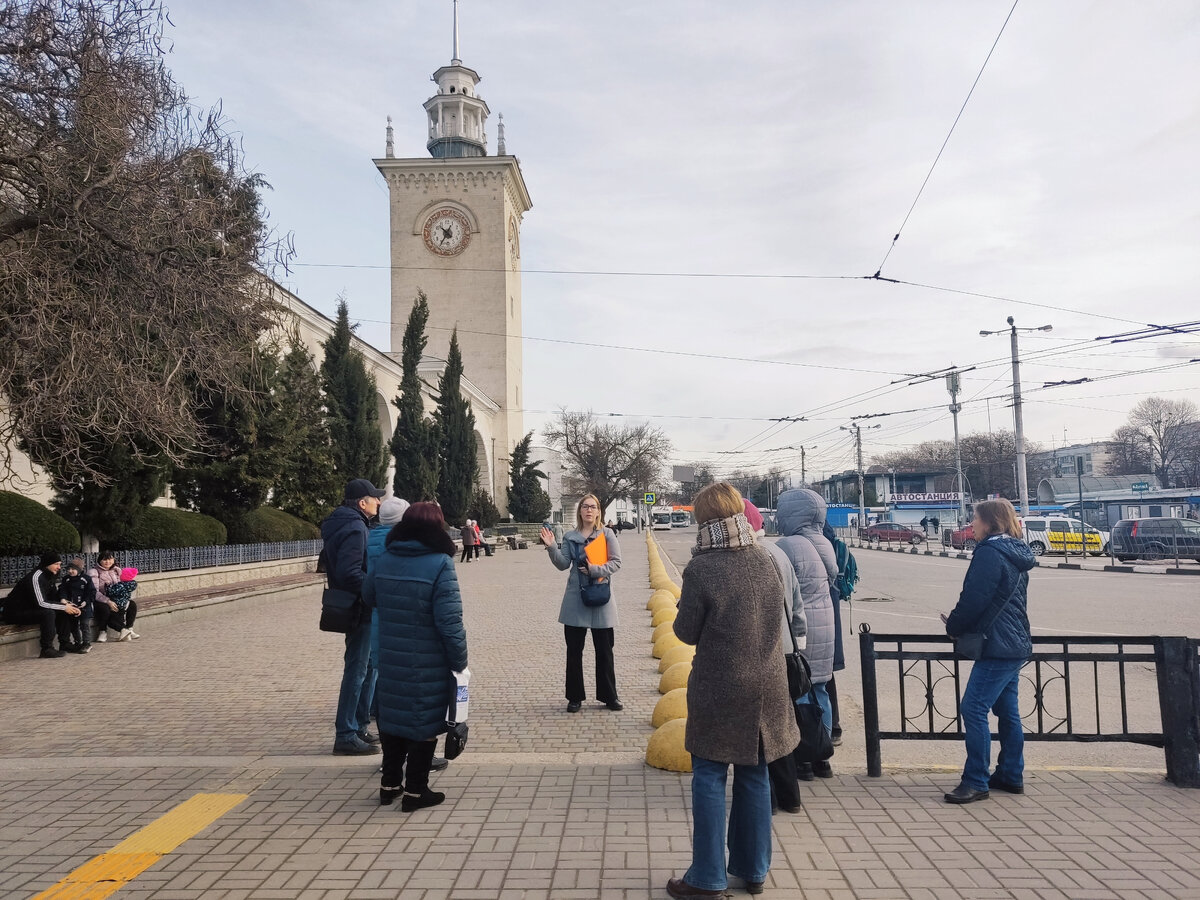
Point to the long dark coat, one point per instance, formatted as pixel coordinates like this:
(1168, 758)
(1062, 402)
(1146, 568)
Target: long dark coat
(730, 609)
(421, 637)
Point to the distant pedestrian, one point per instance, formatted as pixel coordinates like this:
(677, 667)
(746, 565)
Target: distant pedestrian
(993, 602)
(422, 643)
(467, 533)
(925, 525)
(576, 617)
(34, 601)
(345, 534)
(739, 709)
(801, 517)
(76, 589)
(478, 538)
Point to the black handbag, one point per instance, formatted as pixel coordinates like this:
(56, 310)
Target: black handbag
(971, 644)
(592, 591)
(816, 744)
(341, 611)
(799, 675)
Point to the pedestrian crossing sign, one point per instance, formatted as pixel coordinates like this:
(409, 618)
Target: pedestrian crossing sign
(649, 498)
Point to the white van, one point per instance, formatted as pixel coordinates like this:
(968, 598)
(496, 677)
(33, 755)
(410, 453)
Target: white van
(1062, 534)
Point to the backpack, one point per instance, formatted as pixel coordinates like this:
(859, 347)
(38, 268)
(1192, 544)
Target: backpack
(847, 576)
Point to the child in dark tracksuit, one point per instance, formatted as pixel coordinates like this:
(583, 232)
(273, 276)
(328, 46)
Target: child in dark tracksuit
(77, 588)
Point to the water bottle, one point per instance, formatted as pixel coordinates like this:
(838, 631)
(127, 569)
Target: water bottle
(461, 695)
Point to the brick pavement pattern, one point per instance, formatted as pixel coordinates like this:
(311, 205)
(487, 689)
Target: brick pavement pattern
(542, 804)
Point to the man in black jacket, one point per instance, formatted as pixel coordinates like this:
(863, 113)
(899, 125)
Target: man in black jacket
(34, 601)
(345, 534)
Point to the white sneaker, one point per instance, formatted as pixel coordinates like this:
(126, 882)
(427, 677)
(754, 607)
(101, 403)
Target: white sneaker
(125, 635)
(133, 634)
(102, 637)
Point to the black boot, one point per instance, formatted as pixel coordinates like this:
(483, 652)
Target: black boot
(410, 802)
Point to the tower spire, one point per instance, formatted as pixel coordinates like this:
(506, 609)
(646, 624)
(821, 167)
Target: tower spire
(500, 148)
(456, 59)
(390, 147)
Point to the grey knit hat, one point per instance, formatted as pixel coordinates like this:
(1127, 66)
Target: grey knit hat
(392, 510)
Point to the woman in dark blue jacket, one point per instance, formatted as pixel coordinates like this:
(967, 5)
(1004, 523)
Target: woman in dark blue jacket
(422, 642)
(993, 601)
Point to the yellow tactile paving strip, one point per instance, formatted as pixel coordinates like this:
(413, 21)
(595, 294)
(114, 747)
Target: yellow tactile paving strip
(107, 873)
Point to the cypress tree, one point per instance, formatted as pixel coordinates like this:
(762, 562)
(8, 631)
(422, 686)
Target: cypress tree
(353, 417)
(415, 440)
(456, 430)
(527, 499)
(307, 486)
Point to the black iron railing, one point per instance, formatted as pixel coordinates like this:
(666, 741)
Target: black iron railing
(173, 559)
(1080, 689)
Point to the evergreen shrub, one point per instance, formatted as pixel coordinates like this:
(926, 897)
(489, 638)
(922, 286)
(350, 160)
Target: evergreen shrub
(267, 525)
(27, 528)
(159, 527)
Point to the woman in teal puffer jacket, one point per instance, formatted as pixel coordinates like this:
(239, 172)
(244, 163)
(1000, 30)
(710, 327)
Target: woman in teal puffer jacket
(422, 642)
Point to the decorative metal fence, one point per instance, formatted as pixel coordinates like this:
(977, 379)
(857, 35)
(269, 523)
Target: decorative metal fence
(175, 559)
(1080, 687)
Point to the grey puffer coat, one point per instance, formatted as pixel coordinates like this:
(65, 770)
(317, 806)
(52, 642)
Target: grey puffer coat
(801, 516)
(731, 608)
(572, 611)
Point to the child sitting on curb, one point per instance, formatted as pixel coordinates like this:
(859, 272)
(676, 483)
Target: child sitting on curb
(121, 594)
(77, 589)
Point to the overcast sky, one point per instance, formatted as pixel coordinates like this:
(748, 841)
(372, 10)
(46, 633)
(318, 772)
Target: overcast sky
(775, 138)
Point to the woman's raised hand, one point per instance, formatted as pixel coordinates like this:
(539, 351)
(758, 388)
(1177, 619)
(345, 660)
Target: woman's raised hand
(547, 537)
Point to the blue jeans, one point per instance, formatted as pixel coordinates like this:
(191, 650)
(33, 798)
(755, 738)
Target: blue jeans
(822, 692)
(993, 685)
(367, 706)
(749, 824)
(358, 650)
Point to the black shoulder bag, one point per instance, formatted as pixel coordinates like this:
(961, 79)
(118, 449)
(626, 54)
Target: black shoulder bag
(341, 611)
(971, 644)
(798, 674)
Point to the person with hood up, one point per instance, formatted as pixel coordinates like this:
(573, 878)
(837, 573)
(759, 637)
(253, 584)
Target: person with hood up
(800, 515)
(345, 534)
(785, 789)
(422, 643)
(994, 601)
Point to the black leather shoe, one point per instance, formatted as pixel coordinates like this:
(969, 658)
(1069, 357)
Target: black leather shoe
(681, 890)
(410, 802)
(997, 785)
(615, 705)
(822, 769)
(388, 795)
(574, 706)
(804, 771)
(354, 747)
(754, 887)
(966, 794)
(368, 737)
(439, 763)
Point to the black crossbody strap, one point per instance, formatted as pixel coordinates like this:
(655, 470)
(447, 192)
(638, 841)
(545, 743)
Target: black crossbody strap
(783, 585)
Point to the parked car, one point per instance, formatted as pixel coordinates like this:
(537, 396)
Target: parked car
(963, 539)
(891, 532)
(1061, 534)
(622, 525)
(1156, 539)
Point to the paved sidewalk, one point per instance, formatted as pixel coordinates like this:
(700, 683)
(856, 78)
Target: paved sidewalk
(543, 803)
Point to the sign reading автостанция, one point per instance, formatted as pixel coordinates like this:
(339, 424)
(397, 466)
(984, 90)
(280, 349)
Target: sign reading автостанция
(932, 497)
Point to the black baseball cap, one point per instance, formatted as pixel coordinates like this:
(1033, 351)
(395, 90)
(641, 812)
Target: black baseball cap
(360, 487)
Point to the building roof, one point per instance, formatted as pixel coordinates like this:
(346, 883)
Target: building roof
(1051, 490)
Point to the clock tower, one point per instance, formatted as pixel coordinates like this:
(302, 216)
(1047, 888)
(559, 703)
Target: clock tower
(455, 234)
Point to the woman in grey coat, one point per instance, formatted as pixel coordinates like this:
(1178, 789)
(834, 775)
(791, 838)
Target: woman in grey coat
(576, 618)
(801, 518)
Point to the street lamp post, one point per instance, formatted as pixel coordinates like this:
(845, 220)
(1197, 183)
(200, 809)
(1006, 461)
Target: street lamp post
(1018, 422)
(952, 385)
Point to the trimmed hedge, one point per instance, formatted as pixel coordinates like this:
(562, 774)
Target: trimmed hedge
(27, 528)
(267, 525)
(160, 527)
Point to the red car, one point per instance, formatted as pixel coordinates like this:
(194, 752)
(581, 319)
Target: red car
(890, 532)
(963, 539)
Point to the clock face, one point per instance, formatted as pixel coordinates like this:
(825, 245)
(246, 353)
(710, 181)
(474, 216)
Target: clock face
(447, 232)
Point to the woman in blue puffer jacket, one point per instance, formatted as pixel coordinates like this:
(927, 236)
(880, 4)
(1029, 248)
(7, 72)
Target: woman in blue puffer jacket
(422, 642)
(993, 601)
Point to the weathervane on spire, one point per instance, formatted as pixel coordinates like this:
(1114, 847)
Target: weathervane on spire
(456, 60)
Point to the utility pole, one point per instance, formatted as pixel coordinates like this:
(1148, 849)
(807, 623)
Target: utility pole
(1018, 422)
(862, 496)
(952, 385)
(803, 480)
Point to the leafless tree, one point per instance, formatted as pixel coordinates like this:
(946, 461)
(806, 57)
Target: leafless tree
(131, 240)
(1166, 427)
(1130, 453)
(609, 461)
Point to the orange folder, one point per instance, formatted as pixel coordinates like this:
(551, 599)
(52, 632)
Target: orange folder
(597, 551)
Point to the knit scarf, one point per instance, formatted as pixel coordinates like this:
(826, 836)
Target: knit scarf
(724, 534)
